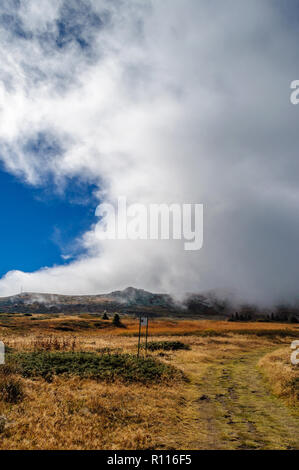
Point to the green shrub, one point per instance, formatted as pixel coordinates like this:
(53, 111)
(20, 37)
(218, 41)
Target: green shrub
(116, 320)
(166, 346)
(108, 367)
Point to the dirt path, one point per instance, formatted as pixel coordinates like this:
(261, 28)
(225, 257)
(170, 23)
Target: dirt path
(237, 410)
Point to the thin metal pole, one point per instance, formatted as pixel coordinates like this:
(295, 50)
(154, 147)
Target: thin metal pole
(146, 334)
(139, 336)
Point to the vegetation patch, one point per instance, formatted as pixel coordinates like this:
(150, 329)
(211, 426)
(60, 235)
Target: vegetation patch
(287, 333)
(108, 367)
(80, 325)
(166, 346)
(63, 328)
(266, 333)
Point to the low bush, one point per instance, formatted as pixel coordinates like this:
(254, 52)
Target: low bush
(108, 367)
(166, 346)
(117, 322)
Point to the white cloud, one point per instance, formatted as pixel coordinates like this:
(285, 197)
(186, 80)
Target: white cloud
(175, 102)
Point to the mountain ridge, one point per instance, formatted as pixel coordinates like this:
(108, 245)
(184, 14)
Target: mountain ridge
(133, 301)
(129, 300)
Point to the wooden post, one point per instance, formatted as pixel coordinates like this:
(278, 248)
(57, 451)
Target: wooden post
(146, 334)
(139, 336)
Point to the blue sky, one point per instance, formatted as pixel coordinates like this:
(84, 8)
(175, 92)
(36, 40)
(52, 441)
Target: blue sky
(39, 228)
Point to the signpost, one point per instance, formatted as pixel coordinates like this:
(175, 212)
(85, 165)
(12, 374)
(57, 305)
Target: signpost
(146, 335)
(2, 353)
(143, 321)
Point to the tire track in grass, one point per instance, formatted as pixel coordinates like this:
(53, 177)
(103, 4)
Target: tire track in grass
(238, 411)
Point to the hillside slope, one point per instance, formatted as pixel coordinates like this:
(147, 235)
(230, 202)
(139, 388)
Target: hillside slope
(129, 301)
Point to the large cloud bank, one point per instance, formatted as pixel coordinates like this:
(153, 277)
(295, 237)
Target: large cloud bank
(160, 101)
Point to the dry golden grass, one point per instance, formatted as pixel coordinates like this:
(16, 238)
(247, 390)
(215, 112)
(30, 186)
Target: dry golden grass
(91, 325)
(186, 327)
(282, 375)
(84, 414)
(73, 413)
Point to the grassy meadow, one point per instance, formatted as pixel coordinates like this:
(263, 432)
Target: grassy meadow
(74, 382)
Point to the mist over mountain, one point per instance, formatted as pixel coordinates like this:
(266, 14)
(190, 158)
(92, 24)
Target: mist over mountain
(135, 302)
(129, 300)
